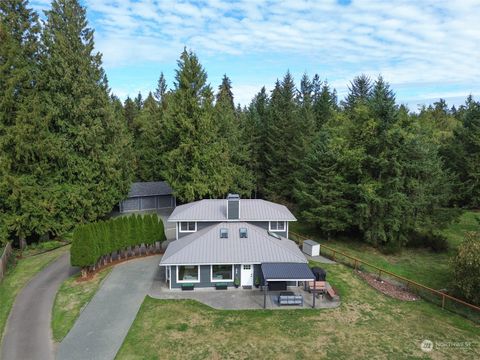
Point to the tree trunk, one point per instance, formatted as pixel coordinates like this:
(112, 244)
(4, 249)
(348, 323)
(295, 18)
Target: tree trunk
(84, 272)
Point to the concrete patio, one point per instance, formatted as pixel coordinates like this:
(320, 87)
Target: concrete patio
(237, 299)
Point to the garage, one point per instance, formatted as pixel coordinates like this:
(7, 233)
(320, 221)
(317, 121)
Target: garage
(144, 196)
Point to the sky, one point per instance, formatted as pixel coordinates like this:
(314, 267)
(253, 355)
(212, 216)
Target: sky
(425, 49)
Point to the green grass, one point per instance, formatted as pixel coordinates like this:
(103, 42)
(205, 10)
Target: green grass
(18, 276)
(71, 299)
(421, 265)
(41, 247)
(366, 325)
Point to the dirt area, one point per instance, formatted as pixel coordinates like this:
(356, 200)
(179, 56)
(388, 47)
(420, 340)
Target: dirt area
(387, 288)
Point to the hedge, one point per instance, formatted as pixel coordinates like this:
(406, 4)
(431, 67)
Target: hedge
(92, 242)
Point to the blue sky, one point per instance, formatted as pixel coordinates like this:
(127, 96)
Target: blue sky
(424, 49)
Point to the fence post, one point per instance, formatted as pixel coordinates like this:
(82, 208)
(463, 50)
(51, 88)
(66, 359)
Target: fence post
(443, 301)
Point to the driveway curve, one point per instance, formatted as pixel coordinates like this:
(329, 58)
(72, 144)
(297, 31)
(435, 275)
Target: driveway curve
(102, 326)
(28, 334)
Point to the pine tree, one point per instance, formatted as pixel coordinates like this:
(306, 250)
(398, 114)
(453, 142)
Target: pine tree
(93, 149)
(324, 104)
(196, 160)
(23, 144)
(231, 128)
(359, 92)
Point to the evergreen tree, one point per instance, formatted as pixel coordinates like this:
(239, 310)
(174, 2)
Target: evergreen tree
(130, 112)
(93, 149)
(231, 128)
(359, 92)
(324, 105)
(196, 160)
(462, 155)
(23, 144)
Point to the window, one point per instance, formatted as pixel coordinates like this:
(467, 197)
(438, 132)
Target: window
(277, 226)
(188, 226)
(221, 273)
(223, 233)
(243, 233)
(188, 273)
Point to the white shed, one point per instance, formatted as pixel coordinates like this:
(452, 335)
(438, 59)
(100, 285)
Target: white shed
(311, 248)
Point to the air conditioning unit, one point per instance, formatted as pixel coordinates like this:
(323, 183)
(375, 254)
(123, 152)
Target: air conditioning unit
(311, 248)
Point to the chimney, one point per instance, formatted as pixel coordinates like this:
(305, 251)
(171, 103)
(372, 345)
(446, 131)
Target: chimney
(233, 207)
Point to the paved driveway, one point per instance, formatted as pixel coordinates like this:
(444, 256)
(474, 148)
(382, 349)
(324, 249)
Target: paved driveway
(103, 324)
(28, 334)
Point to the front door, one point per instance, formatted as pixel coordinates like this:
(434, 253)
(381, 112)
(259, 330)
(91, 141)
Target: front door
(247, 275)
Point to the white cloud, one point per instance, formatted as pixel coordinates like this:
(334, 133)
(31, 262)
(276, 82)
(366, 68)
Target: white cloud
(429, 41)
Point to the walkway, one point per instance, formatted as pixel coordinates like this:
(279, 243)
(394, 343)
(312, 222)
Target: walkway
(103, 324)
(28, 334)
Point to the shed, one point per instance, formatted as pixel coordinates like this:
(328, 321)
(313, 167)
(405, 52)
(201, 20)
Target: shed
(151, 195)
(311, 248)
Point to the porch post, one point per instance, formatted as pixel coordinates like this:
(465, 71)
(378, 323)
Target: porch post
(265, 294)
(314, 292)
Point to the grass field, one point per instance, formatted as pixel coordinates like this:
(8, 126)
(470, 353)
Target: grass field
(366, 325)
(422, 265)
(71, 298)
(18, 276)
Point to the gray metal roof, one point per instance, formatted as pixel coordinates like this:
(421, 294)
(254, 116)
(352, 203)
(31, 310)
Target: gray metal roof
(310, 242)
(150, 188)
(206, 247)
(216, 210)
(286, 271)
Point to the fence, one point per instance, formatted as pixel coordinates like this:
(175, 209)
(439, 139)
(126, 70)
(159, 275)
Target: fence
(437, 297)
(7, 251)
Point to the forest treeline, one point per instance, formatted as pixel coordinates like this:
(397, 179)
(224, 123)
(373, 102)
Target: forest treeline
(364, 165)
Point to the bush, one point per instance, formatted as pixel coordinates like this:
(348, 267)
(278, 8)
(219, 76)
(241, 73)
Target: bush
(466, 268)
(432, 239)
(92, 241)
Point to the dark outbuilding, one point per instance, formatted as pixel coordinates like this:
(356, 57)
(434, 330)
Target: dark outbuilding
(151, 195)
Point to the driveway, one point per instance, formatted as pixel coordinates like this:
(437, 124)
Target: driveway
(103, 324)
(28, 334)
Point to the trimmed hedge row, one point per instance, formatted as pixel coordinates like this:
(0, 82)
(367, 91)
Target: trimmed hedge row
(92, 242)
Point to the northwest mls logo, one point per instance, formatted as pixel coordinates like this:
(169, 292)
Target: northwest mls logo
(426, 346)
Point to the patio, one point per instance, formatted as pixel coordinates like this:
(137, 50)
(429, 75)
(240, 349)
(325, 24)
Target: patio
(241, 299)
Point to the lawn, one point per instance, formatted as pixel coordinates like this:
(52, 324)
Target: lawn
(422, 265)
(366, 325)
(71, 299)
(18, 276)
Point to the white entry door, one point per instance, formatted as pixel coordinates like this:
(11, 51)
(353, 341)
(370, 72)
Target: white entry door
(247, 275)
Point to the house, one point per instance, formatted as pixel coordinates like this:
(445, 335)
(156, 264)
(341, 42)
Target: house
(154, 195)
(232, 242)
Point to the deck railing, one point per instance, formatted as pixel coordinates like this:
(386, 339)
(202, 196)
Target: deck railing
(437, 297)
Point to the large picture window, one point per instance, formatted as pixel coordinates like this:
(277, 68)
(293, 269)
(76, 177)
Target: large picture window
(188, 226)
(221, 273)
(188, 273)
(277, 226)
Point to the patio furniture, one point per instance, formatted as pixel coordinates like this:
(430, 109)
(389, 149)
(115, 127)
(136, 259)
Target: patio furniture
(289, 298)
(332, 295)
(317, 287)
(187, 286)
(221, 286)
(277, 285)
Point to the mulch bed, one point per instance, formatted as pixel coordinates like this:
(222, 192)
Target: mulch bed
(389, 289)
(92, 274)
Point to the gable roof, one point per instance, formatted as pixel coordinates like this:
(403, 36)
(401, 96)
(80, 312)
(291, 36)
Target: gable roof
(205, 247)
(149, 188)
(216, 210)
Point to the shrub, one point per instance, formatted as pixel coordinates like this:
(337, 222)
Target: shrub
(466, 268)
(432, 239)
(93, 241)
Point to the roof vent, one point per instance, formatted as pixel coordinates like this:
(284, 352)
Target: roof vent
(233, 206)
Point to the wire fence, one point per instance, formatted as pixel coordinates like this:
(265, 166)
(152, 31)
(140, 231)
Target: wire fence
(437, 297)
